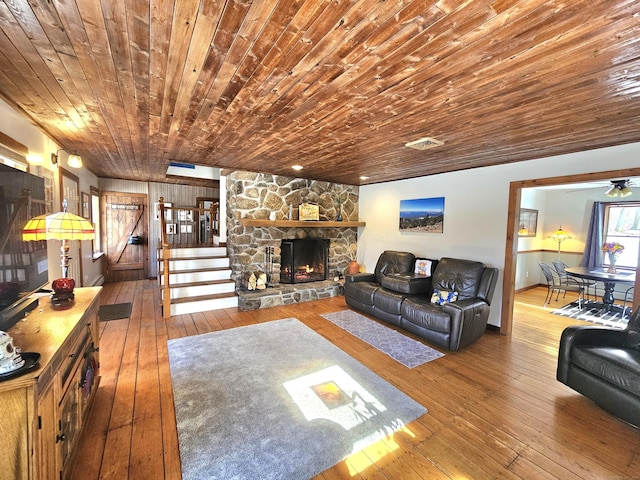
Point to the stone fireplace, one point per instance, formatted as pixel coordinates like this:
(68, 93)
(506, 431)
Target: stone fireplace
(257, 247)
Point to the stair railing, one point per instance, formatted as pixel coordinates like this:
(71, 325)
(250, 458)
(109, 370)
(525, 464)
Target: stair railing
(180, 227)
(164, 255)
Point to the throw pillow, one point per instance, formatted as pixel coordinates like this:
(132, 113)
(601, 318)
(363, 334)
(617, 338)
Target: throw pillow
(423, 267)
(441, 297)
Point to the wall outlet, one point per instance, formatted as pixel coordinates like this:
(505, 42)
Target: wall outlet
(526, 274)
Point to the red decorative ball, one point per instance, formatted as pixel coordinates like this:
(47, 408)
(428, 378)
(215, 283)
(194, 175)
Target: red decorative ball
(63, 285)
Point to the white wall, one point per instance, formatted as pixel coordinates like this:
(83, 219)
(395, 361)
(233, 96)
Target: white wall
(476, 205)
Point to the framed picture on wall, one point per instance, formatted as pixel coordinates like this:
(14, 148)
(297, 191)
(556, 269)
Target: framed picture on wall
(422, 215)
(528, 225)
(47, 176)
(167, 213)
(85, 206)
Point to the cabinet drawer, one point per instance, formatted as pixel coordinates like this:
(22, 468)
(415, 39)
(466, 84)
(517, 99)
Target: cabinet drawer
(74, 357)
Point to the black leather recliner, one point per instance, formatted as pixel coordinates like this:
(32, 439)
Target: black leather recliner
(395, 295)
(365, 292)
(456, 324)
(603, 364)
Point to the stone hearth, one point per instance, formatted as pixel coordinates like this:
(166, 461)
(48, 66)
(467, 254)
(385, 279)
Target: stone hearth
(287, 294)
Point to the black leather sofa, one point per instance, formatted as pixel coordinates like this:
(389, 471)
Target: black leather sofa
(603, 364)
(395, 294)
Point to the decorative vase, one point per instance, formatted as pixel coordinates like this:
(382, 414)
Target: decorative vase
(613, 258)
(339, 217)
(63, 285)
(353, 267)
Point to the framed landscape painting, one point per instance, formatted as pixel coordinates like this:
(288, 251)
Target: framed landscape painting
(422, 215)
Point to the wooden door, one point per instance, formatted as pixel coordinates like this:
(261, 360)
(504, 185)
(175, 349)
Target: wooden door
(70, 191)
(124, 217)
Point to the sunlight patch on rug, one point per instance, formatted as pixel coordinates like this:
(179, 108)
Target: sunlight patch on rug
(407, 351)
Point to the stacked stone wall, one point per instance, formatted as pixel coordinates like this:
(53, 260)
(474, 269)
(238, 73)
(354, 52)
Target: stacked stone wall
(257, 195)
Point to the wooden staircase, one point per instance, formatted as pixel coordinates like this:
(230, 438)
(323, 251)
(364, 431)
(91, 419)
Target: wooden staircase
(198, 279)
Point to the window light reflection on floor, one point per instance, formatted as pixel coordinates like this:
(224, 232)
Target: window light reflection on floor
(333, 395)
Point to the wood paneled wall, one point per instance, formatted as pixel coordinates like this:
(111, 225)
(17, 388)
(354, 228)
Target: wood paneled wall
(177, 195)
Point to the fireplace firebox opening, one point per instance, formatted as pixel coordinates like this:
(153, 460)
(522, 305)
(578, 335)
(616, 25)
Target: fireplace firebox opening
(304, 260)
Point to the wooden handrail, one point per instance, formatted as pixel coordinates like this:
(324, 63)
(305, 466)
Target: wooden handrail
(179, 217)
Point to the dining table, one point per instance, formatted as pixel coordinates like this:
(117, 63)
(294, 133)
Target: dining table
(609, 280)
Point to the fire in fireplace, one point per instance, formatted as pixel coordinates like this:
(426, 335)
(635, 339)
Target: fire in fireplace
(304, 260)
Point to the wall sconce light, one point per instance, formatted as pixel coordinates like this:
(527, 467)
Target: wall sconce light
(73, 160)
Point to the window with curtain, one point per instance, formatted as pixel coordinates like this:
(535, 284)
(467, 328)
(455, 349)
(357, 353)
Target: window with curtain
(622, 225)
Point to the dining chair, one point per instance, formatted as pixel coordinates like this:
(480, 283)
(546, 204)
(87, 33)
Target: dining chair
(628, 300)
(554, 285)
(566, 279)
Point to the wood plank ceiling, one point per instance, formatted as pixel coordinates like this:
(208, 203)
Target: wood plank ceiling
(333, 85)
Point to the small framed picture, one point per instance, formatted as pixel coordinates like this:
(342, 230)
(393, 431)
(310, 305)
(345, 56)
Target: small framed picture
(85, 205)
(185, 216)
(167, 212)
(528, 225)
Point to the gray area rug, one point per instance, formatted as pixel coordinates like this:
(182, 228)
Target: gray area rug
(593, 312)
(114, 312)
(276, 401)
(405, 350)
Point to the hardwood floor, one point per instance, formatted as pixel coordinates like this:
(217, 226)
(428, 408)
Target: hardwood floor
(495, 408)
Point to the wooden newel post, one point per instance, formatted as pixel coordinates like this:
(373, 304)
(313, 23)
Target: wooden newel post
(166, 255)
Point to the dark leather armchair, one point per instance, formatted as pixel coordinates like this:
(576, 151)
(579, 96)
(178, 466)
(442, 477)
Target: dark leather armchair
(603, 364)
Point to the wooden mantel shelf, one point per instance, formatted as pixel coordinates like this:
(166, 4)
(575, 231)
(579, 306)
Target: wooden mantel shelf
(256, 222)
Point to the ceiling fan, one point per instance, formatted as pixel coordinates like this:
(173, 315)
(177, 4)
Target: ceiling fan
(615, 188)
(619, 188)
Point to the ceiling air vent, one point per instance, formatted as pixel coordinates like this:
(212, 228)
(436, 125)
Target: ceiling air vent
(424, 143)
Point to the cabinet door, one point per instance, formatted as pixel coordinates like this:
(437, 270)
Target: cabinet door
(14, 435)
(88, 373)
(45, 437)
(70, 420)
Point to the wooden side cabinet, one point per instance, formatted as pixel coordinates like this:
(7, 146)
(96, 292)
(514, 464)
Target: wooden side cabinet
(45, 409)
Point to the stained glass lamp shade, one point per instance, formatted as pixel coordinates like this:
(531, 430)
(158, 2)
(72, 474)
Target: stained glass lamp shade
(63, 226)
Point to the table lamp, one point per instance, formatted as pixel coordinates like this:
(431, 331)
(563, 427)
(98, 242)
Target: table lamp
(63, 226)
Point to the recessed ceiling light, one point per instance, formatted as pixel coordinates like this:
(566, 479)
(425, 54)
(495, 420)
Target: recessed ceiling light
(364, 178)
(297, 167)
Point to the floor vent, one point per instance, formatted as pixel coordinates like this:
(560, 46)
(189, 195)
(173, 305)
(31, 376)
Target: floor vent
(424, 143)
